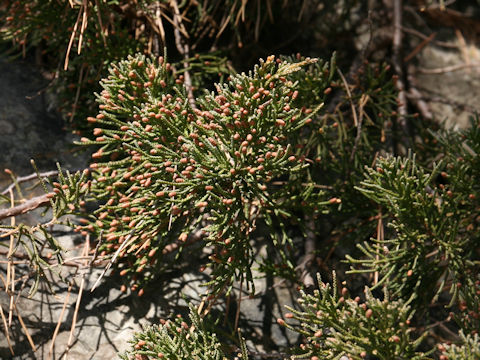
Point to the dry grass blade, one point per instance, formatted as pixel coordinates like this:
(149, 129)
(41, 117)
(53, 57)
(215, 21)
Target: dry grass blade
(257, 21)
(239, 303)
(224, 25)
(448, 69)
(70, 43)
(7, 335)
(84, 25)
(269, 11)
(24, 327)
(10, 265)
(380, 237)
(60, 319)
(86, 250)
(419, 47)
(363, 101)
(302, 9)
(464, 48)
(241, 12)
(398, 67)
(159, 22)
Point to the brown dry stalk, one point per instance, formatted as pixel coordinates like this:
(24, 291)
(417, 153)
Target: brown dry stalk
(70, 43)
(11, 266)
(84, 25)
(24, 327)
(77, 94)
(419, 47)
(380, 237)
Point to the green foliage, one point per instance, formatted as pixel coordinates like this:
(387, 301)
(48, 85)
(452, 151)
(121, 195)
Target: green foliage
(333, 324)
(468, 350)
(176, 340)
(269, 159)
(235, 155)
(63, 197)
(433, 247)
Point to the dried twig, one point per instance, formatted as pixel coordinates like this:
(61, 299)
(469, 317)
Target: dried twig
(84, 25)
(425, 37)
(27, 206)
(347, 88)
(33, 176)
(20, 319)
(72, 37)
(99, 17)
(77, 94)
(239, 303)
(363, 101)
(11, 266)
(419, 47)
(380, 237)
(128, 240)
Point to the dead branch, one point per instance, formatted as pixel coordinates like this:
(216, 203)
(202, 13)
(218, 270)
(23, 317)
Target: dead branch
(27, 206)
(33, 176)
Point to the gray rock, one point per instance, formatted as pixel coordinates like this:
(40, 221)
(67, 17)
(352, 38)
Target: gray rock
(451, 89)
(28, 129)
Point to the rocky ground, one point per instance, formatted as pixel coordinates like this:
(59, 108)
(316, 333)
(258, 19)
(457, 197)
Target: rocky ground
(106, 317)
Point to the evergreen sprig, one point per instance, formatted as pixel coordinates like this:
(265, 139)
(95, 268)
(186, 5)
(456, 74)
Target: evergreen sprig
(469, 349)
(426, 253)
(168, 170)
(335, 325)
(176, 340)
